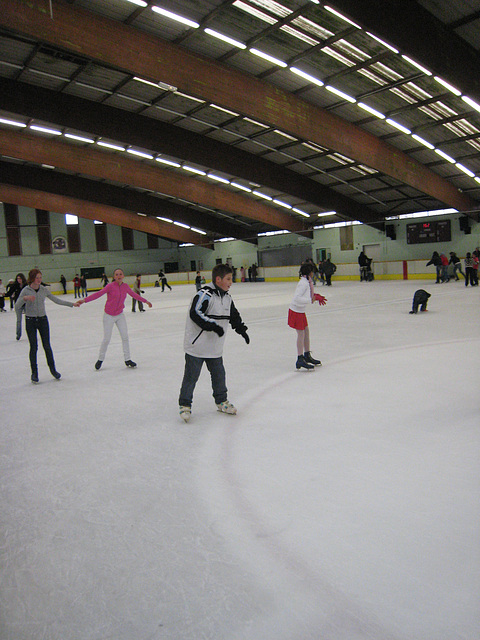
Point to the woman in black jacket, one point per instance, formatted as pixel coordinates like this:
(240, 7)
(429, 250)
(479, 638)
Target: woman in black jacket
(437, 262)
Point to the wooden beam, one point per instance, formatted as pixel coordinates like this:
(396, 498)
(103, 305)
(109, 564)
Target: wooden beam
(120, 168)
(93, 211)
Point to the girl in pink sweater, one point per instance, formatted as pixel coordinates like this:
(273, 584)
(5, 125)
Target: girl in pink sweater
(116, 292)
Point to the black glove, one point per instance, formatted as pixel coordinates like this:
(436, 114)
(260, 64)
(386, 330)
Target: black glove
(218, 330)
(244, 335)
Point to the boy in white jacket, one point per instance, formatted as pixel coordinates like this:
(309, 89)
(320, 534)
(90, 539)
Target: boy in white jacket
(304, 294)
(211, 311)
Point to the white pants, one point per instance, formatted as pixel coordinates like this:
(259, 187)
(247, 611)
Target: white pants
(108, 322)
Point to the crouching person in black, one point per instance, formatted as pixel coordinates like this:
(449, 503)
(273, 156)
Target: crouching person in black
(420, 298)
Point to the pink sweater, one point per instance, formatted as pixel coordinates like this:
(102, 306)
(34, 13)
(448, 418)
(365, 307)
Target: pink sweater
(116, 295)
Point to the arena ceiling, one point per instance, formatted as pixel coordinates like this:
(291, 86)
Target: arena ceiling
(197, 120)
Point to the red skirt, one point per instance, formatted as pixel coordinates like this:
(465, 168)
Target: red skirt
(297, 320)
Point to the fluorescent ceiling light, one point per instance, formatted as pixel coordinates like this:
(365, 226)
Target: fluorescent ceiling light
(165, 219)
(302, 213)
(220, 36)
(465, 170)
(446, 156)
(180, 224)
(204, 233)
(374, 112)
(272, 233)
(171, 163)
(141, 154)
(307, 76)
(477, 180)
(282, 204)
(48, 166)
(418, 66)
(109, 145)
(285, 135)
(345, 96)
(231, 113)
(185, 95)
(398, 126)
(53, 132)
(13, 123)
(186, 244)
(141, 214)
(271, 59)
(261, 195)
(471, 102)
(385, 44)
(212, 176)
(342, 17)
(194, 170)
(240, 186)
(140, 3)
(71, 219)
(258, 124)
(224, 239)
(326, 213)
(98, 222)
(448, 86)
(79, 138)
(158, 85)
(422, 141)
(176, 17)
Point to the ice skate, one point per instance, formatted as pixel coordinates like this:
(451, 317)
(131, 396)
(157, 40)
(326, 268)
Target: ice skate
(98, 364)
(310, 359)
(34, 377)
(185, 413)
(302, 363)
(55, 374)
(227, 407)
(130, 363)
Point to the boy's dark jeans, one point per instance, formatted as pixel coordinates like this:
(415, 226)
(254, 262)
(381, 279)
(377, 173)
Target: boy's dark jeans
(40, 324)
(193, 366)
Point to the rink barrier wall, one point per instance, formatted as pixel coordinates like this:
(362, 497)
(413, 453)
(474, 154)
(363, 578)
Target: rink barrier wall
(382, 270)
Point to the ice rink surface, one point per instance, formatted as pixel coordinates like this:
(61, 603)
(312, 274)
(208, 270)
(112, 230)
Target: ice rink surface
(339, 504)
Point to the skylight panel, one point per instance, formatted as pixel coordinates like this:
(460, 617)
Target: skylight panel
(354, 52)
(338, 56)
(254, 12)
(312, 27)
(367, 169)
(403, 95)
(386, 72)
(372, 76)
(417, 91)
(461, 128)
(300, 36)
(274, 7)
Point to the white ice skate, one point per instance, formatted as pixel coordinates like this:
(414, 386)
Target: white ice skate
(227, 407)
(185, 413)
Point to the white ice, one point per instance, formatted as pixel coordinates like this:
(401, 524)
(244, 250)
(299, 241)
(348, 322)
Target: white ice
(339, 504)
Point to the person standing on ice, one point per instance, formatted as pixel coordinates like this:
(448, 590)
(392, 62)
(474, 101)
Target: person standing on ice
(297, 319)
(116, 292)
(211, 311)
(32, 300)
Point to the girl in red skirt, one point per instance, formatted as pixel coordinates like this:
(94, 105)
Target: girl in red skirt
(304, 294)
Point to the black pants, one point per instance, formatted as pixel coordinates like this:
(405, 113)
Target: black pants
(469, 276)
(32, 325)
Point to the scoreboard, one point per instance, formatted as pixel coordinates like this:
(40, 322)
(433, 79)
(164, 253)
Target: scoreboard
(435, 231)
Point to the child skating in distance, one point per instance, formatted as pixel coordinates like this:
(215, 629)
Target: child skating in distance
(304, 294)
(211, 311)
(420, 299)
(116, 292)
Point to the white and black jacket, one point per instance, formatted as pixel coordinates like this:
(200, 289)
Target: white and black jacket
(211, 307)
